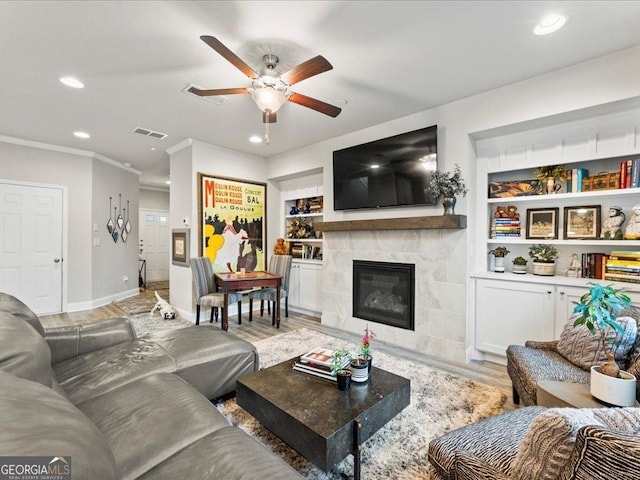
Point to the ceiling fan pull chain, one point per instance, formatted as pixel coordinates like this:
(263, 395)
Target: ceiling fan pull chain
(266, 133)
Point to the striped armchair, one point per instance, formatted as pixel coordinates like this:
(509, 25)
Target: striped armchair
(205, 290)
(279, 265)
(537, 443)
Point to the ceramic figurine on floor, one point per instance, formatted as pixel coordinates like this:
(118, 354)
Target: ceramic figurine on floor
(632, 232)
(612, 225)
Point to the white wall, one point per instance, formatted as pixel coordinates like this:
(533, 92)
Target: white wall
(537, 101)
(185, 164)
(48, 164)
(154, 200)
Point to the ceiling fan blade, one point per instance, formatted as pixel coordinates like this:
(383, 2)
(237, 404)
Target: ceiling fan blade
(305, 70)
(269, 117)
(229, 56)
(314, 104)
(217, 91)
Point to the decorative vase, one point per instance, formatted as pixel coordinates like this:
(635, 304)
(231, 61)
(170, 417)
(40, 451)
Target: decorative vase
(449, 204)
(499, 265)
(343, 378)
(548, 269)
(620, 392)
(359, 370)
(519, 268)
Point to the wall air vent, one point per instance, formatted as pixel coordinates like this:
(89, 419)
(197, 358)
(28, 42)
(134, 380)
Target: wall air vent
(149, 133)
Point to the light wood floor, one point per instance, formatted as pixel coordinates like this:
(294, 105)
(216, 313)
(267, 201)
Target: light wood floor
(483, 372)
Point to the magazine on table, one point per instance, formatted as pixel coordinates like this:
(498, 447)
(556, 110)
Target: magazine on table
(320, 357)
(315, 372)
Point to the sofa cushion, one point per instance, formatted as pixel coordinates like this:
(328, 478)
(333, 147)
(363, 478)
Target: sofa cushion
(10, 304)
(502, 432)
(198, 351)
(583, 349)
(36, 421)
(545, 450)
(601, 454)
(150, 420)
(230, 455)
(23, 351)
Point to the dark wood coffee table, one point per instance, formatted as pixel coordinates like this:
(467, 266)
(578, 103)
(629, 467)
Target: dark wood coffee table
(319, 421)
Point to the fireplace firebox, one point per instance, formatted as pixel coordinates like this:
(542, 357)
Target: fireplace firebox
(384, 293)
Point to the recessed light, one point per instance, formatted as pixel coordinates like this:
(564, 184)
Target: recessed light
(550, 24)
(152, 148)
(82, 134)
(72, 82)
(168, 182)
(255, 139)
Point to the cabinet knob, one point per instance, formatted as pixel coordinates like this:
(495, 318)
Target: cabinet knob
(549, 291)
(561, 292)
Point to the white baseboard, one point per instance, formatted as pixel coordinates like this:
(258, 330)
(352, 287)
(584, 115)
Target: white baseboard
(99, 302)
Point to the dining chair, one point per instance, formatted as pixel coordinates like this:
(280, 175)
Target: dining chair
(278, 265)
(205, 289)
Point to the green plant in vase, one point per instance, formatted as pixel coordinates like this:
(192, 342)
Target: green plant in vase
(446, 186)
(519, 265)
(544, 257)
(338, 368)
(365, 345)
(499, 253)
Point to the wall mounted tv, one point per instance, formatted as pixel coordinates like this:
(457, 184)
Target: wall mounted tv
(390, 172)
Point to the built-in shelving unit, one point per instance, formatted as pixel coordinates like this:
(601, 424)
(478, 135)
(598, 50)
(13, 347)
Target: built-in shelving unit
(301, 233)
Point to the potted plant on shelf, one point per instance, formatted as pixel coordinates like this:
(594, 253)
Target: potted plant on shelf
(519, 265)
(365, 346)
(550, 177)
(597, 311)
(544, 257)
(499, 253)
(343, 375)
(446, 186)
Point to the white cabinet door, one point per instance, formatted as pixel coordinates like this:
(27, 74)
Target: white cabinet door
(305, 286)
(511, 313)
(294, 285)
(565, 296)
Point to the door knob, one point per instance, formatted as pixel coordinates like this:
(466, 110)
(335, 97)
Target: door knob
(57, 260)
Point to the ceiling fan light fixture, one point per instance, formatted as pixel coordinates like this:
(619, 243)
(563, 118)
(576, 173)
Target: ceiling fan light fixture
(268, 99)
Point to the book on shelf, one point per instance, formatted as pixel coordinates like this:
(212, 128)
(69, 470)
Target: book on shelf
(623, 174)
(593, 265)
(621, 277)
(578, 174)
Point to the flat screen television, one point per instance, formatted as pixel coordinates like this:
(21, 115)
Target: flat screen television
(390, 172)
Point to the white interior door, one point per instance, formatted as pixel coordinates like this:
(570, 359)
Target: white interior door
(155, 239)
(31, 245)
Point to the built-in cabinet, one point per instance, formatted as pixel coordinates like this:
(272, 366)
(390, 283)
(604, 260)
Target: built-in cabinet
(507, 308)
(303, 204)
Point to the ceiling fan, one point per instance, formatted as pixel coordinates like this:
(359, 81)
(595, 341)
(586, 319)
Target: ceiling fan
(269, 90)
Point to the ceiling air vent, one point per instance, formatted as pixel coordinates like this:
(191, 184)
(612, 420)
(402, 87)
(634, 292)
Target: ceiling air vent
(149, 133)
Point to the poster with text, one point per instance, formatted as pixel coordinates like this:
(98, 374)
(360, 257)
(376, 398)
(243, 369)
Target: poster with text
(232, 223)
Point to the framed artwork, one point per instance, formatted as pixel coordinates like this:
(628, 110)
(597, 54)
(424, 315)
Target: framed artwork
(180, 247)
(232, 223)
(542, 223)
(582, 223)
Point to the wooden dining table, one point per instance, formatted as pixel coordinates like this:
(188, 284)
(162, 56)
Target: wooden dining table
(229, 282)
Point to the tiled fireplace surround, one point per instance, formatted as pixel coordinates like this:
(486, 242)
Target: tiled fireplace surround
(440, 256)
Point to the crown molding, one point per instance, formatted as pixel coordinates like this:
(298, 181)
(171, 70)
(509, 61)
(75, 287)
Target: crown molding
(73, 151)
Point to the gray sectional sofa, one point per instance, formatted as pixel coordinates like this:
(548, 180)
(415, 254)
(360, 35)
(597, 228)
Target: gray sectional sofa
(122, 407)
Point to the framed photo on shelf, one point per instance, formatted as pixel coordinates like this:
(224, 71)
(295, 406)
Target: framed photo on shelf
(582, 223)
(180, 247)
(542, 223)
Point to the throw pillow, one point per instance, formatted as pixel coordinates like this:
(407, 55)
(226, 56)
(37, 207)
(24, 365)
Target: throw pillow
(583, 349)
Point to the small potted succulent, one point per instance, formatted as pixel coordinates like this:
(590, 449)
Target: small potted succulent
(499, 253)
(446, 186)
(520, 265)
(597, 310)
(544, 257)
(343, 375)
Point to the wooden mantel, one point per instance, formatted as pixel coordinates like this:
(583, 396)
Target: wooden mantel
(410, 223)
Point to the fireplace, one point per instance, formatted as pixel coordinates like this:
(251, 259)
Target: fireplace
(384, 293)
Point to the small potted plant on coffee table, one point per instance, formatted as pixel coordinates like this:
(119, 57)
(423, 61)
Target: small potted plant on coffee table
(343, 374)
(499, 253)
(365, 346)
(599, 310)
(544, 258)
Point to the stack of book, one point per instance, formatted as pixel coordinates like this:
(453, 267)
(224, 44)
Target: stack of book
(593, 265)
(318, 363)
(630, 173)
(505, 227)
(623, 266)
(577, 175)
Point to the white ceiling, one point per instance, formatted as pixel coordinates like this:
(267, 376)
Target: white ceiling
(390, 59)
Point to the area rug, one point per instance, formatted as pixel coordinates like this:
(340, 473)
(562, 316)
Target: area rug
(145, 301)
(440, 402)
